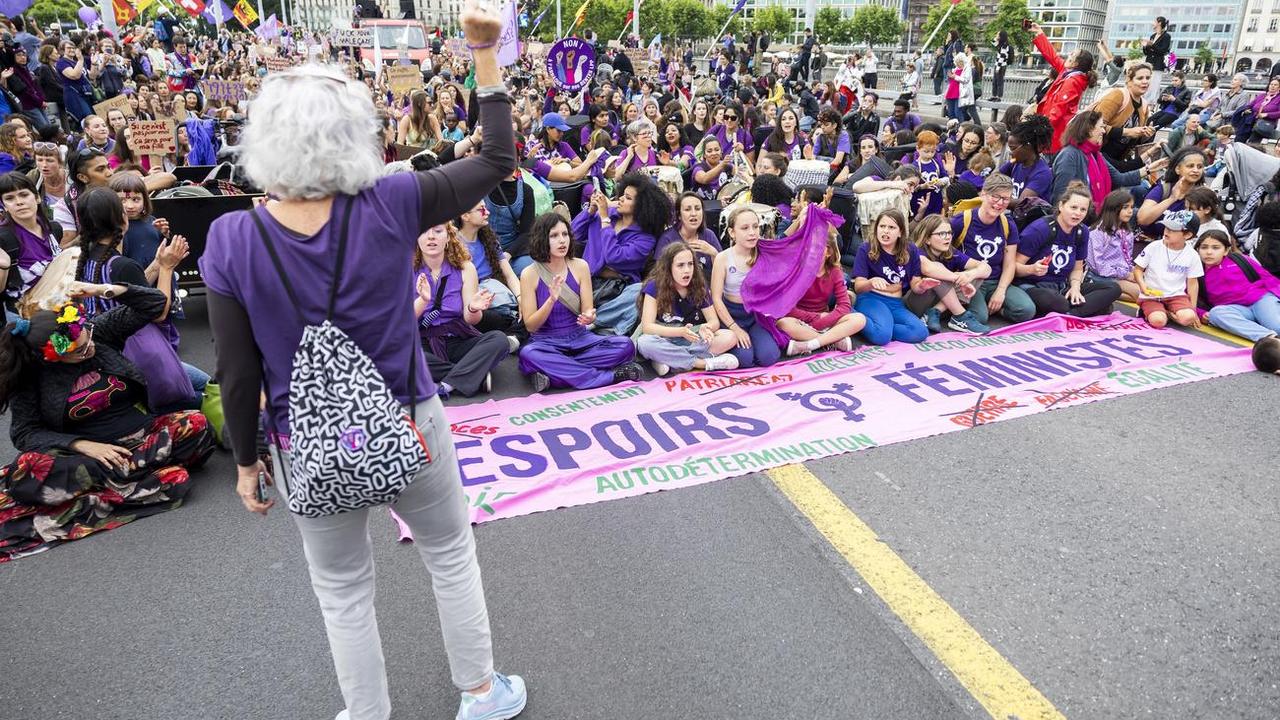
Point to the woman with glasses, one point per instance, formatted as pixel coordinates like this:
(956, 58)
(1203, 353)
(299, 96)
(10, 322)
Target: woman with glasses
(74, 76)
(639, 152)
(90, 458)
(733, 137)
(960, 281)
(55, 189)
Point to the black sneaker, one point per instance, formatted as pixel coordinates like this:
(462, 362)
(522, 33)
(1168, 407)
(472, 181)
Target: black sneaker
(626, 371)
(541, 382)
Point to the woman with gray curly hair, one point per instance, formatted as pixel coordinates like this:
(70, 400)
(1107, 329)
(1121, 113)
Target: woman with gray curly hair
(339, 235)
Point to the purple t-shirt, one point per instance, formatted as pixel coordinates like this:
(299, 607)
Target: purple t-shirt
(929, 170)
(378, 276)
(1038, 178)
(681, 312)
(1063, 249)
(985, 242)
(957, 262)
(1156, 194)
(886, 266)
(720, 132)
(704, 261)
(822, 145)
(562, 152)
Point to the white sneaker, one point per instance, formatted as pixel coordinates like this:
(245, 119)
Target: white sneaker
(513, 344)
(844, 344)
(727, 361)
(795, 347)
(661, 368)
(488, 381)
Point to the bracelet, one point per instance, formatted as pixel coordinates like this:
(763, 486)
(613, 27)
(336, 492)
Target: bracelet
(482, 46)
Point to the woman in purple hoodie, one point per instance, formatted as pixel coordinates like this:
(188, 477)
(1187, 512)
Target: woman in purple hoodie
(1258, 120)
(1236, 293)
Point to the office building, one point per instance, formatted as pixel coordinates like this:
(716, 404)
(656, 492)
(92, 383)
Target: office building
(1192, 25)
(1070, 24)
(1257, 49)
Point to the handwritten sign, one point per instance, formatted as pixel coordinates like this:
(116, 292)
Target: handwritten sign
(119, 102)
(404, 78)
(275, 63)
(225, 90)
(152, 137)
(352, 37)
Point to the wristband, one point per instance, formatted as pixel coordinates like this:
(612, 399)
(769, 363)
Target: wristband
(482, 46)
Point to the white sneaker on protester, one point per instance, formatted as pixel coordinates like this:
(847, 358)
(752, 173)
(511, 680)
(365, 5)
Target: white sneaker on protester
(727, 361)
(504, 700)
(844, 344)
(661, 368)
(488, 382)
(513, 344)
(795, 347)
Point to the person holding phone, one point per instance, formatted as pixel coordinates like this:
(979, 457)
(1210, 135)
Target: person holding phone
(315, 188)
(77, 93)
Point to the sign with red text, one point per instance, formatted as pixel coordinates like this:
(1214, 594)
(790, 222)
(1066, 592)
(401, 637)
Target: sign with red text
(542, 452)
(152, 137)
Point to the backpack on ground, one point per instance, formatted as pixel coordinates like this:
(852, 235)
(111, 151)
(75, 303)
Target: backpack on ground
(352, 445)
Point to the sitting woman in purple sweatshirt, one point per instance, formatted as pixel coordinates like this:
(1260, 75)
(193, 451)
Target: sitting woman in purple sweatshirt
(1236, 293)
(618, 238)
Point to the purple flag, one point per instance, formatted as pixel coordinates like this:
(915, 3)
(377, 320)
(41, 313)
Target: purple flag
(738, 8)
(211, 11)
(269, 29)
(509, 40)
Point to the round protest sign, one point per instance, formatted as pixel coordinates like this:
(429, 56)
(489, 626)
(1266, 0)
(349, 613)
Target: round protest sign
(570, 64)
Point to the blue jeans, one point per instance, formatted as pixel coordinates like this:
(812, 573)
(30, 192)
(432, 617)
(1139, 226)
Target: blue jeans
(518, 264)
(889, 319)
(1254, 322)
(952, 108)
(621, 313)
(1017, 304)
(764, 350)
(1182, 119)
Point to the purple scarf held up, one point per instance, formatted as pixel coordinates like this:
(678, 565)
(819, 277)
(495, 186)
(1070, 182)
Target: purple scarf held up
(786, 267)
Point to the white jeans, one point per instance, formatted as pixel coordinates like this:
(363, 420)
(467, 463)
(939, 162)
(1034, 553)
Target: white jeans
(339, 555)
(1152, 95)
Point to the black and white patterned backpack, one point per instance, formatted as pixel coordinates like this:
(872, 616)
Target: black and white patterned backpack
(352, 445)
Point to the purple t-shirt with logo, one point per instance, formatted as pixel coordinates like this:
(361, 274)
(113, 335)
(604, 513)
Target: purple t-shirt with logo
(985, 242)
(1038, 177)
(383, 232)
(886, 266)
(1063, 249)
(929, 170)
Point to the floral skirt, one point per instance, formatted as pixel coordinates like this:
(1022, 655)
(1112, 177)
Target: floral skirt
(51, 498)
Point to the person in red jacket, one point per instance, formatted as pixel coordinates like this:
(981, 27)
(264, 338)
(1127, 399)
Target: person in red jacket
(1063, 97)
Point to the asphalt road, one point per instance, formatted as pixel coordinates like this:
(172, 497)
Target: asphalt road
(1122, 555)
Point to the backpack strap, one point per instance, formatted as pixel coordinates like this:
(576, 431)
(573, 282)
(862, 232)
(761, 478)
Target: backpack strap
(966, 218)
(1250, 272)
(1004, 223)
(433, 312)
(275, 261)
(341, 259)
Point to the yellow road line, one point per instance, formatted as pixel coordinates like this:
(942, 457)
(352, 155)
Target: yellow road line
(991, 679)
(1210, 330)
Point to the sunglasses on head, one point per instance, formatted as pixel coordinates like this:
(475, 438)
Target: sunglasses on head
(45, 146)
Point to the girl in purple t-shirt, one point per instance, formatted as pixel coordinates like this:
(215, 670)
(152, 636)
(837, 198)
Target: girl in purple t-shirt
(448, 305)
(1051, 255)
(885, 268)
(679, 328)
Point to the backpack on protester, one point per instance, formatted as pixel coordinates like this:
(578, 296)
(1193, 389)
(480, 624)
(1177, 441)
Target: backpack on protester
(352, 445)
(967, 219)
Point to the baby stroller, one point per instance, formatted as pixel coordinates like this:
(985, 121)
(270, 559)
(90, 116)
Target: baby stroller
(1250, 178)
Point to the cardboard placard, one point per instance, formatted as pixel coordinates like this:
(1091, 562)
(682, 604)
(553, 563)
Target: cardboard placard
(404, 78)
(152, 137)
(352, 37)
(225, 90)
(119, 102)
(275, 63)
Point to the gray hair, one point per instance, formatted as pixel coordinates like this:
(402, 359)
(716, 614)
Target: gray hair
(312, 133)
(638, 126)
(1244, 79)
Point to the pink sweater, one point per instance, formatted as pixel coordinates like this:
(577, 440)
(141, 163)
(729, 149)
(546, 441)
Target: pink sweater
(814, 306)
(1226, 284)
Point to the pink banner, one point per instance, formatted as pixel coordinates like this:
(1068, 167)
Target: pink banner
(541, 452)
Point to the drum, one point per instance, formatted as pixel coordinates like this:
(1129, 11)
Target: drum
(731, 190)
(667, 177)
(871, 204)
(807, 172)
(768, 220)
(845, 204)
(569, 193)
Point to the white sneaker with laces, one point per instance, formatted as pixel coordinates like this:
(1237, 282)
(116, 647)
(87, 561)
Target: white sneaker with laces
(661, 368)
(505, 700)
(727, 361)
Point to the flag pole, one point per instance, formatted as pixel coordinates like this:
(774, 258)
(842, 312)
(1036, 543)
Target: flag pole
(941, 22)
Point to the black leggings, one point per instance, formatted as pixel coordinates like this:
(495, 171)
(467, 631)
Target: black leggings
(1051, 297)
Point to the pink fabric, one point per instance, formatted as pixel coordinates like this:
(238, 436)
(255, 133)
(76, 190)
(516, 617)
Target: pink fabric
(1099, 174)
(1226, 284)
(786, 266)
